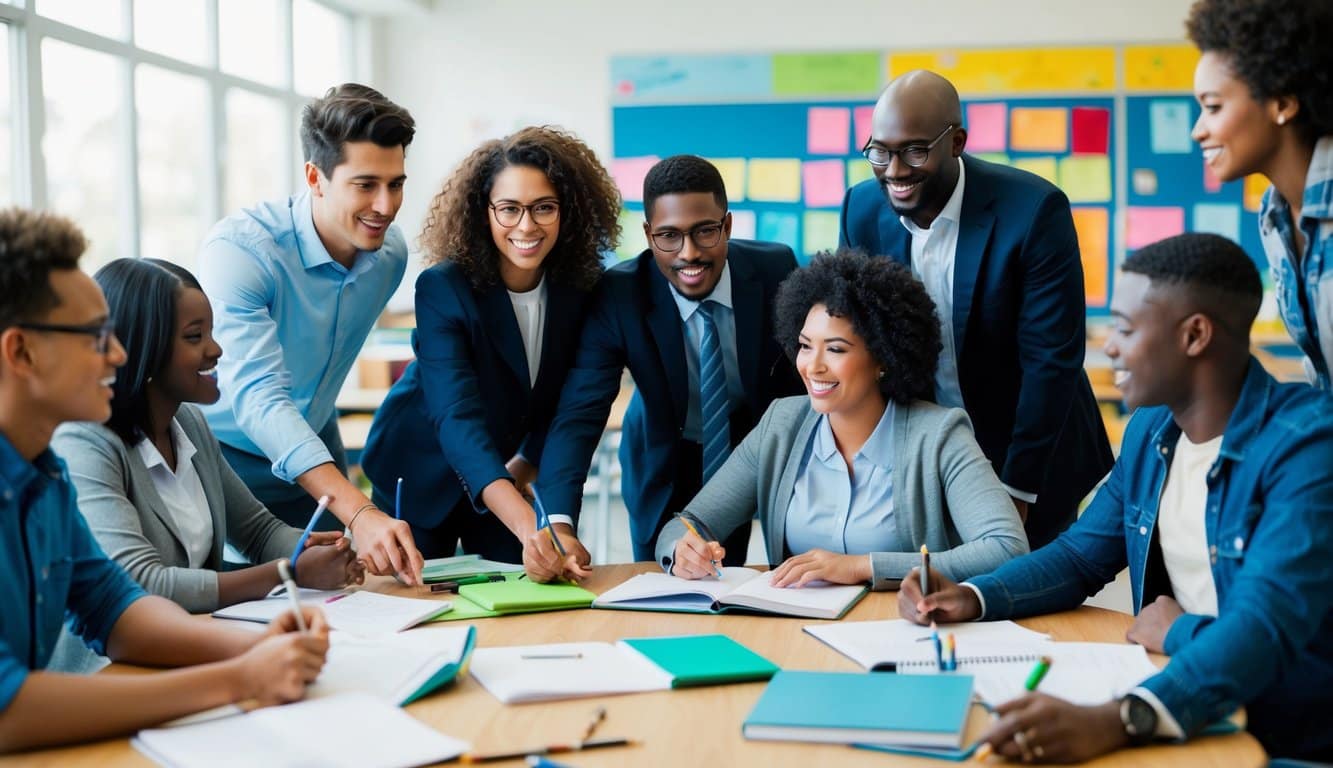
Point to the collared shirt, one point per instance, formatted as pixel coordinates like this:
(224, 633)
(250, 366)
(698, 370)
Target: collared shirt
(530, 312)
(724, 317)
(291, 321)
(933, 252)
(1303, 283)
(183, 494)
(49, 564)
(848, 515)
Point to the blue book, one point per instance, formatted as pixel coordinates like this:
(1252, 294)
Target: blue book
(862, 708)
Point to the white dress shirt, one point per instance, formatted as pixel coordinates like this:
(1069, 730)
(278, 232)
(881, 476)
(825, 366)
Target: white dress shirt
(530, 311)
(724, 317)
(183, 494)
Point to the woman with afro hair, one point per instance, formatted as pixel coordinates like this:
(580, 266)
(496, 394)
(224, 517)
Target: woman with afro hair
(514, 241)
(1265, 83)
(850, 480)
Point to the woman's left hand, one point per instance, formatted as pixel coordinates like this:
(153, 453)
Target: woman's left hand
(822, 565)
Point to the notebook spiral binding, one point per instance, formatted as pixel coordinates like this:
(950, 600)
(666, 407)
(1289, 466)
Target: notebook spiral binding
(1000, 659)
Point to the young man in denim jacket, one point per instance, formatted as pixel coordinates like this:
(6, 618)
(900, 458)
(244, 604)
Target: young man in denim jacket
(1220, 505)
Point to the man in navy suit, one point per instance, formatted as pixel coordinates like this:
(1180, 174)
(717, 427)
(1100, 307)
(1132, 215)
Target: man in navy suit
(997, 252)
(646, 315)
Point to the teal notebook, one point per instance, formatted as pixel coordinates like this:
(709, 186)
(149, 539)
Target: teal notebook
(703, 659)
(862, 708)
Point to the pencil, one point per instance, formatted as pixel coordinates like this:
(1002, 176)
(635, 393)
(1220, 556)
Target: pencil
(685, 521)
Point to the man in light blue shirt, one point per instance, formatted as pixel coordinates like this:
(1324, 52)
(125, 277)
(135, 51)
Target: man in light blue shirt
(296, 287)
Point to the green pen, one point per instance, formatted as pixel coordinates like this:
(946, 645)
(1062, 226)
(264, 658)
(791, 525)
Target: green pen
(453, 584)
(1038, 672)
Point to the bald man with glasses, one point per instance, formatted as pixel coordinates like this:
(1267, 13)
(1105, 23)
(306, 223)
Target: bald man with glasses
(996, 250)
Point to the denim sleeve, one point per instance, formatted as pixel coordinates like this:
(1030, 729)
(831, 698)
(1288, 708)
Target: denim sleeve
(99, 590)
(12, 674)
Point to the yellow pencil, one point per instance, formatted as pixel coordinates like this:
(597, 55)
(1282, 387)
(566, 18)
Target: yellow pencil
(689, 525)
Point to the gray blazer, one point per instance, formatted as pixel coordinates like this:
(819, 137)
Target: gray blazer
(945, 492)
(117, 497)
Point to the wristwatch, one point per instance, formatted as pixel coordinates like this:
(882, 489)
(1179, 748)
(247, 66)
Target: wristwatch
(1139, 719)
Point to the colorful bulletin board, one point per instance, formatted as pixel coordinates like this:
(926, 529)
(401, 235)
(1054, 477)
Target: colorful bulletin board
(1110, 125)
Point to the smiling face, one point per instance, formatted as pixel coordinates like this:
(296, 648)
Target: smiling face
(1146, 353)
(920, 193)
(836, 366)
(1239, 134)
(190, 374)
(523, 247)
(353, 208)
(693, 271)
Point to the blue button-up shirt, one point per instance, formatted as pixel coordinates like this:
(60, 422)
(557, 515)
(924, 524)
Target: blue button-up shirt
(291, 322)
(1269, 522)
(724, 317)
(848, 515)
(50, 568)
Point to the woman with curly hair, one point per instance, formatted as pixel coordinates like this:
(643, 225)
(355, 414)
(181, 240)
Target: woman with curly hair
(851, 480)
(1265, 83)
(515, 240)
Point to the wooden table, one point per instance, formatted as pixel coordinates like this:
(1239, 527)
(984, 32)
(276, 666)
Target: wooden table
(692, 727)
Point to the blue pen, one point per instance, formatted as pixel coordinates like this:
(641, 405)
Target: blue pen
(545, 522)
(939, 650)
(537, 761)
(310, 526)
(398, 500)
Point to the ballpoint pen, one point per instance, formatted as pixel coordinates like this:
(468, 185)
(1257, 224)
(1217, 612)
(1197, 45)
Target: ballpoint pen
(1038, 672)
(453, 584)
(549, 749)
(398, 500)
(310, 526)
(690, 524)
(545, 522)
(285, 574)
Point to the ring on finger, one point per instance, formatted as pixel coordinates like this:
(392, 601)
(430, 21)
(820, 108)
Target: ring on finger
(1022, 741)
(1039, 751)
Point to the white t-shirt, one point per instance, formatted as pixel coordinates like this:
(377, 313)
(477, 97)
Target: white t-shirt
(530, 311)
(1184, 535)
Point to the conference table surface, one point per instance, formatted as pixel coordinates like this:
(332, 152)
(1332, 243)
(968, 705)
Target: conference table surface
(698, 726)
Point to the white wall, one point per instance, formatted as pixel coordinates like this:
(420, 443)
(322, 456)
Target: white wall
(475, 69)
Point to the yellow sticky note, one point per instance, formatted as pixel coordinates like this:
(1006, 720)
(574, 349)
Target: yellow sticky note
(733, 176)
(777, 181)
(1039, 129)
(821, 232)
(632, 240)
(1093, 228)
(1008, 71)
(1255, 186)
(1042, 166)
(1086, 178)
(858, 171)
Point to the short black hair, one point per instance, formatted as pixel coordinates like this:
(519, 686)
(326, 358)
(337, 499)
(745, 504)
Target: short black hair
(682, 174)
(142, 294)
(32, 244)
(1277, 47)
(351, 112)
(1211, 271)
(887, 307)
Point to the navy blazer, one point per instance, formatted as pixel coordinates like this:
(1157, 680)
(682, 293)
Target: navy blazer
(464, 406)
(1019, 324)
(634, 322)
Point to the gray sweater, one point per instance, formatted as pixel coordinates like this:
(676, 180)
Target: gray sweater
(945, 493)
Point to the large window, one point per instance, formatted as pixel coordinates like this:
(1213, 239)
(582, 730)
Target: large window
(146, 121)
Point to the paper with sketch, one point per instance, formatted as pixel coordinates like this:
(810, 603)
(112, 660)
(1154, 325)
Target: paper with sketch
(738, 588)
(873, 642)
(361, 612)
(524, 673)
(325, 732)
(394, 668)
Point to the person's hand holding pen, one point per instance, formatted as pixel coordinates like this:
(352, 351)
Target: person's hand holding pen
(553, 551)
(328, 562)
(288, 656)
(947, 602)
(698, 554)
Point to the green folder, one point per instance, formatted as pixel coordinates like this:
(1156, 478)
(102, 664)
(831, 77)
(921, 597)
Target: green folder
(514, 595)
(703, 659)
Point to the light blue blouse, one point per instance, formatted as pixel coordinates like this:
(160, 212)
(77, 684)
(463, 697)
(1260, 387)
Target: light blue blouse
(848, 515)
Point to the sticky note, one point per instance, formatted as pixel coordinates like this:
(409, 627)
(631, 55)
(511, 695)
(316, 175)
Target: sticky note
(827, 129)
(821, 232)
(1042, 166)
(1144, 181)
(1144, 225)
(859, 171)
(1086, 178)
(779, 228)
(822, 182)
(993, 157)
(1169, 122)
(861, 120)
(628, 173)
(1255, 187)
(1210, 181)
(1039, 129)
(1219, 218)
(743, 224)
(733, 176)
(632, 240)
(1093, 228)
(1160, 67)
(987, 126)
(1091, 130)
(774, 180)
(827, 74)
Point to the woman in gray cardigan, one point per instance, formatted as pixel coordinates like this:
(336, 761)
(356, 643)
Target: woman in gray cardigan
(152, 482)
(850, 481)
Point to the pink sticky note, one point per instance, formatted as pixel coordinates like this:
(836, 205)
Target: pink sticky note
(628, 173)
(861, 117)
(986, 127)
(1144, 225)
(1091, 129)
(827, 129)
(823, 183)
(1210, 181)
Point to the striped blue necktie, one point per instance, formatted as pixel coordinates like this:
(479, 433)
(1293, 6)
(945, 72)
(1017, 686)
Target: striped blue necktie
(714, 403)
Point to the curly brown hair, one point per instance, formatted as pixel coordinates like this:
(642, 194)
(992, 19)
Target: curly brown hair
(458, 227)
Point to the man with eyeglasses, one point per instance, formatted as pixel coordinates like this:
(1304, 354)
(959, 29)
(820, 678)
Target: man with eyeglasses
(996, 250)
(692, 319)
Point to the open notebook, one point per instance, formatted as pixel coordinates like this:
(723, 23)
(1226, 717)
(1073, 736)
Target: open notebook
(738, 589)
(360, 612)
(398, 668)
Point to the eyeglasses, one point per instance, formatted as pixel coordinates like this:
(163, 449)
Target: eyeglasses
(101, 332)
(509, 214)
(914, 155)
(705, 235)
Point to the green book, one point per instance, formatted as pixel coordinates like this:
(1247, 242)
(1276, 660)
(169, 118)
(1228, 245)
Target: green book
(703, 659)
(513, 595)
(461, 566)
